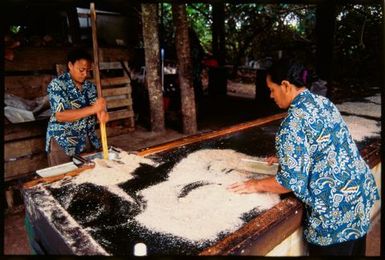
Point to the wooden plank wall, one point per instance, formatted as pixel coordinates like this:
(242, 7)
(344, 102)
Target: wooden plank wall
(39, 58)
(28, 87)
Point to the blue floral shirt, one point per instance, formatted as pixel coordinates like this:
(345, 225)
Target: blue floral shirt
(64, 95)
(321, 164)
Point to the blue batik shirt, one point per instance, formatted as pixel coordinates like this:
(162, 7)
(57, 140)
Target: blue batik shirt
(64, 95)
(321, 164)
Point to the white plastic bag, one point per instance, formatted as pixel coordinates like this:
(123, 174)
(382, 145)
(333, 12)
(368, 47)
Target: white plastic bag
(17, 115)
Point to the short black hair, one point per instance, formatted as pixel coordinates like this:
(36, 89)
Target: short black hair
(294, 72)
(78, 54)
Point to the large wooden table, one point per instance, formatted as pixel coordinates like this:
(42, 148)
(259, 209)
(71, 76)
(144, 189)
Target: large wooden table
(256, 237)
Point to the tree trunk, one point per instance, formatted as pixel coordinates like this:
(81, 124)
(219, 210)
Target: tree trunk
(218, 32)
(184, 69)
(325, 29)
(151, 49)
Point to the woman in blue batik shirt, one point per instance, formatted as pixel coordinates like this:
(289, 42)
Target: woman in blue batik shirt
(320, 163)
(74, 104)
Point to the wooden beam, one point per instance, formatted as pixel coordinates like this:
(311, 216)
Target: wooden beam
(114, 103)
(51, 179)
(13, 150)
(108, 82)
(13, 132)
(262, 233)
(372, 154)
(116, 91)
(200, 137)
(24, 166)
(28, 87)
(30, 58)
(120, 114)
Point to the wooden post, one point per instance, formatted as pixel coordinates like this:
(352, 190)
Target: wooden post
(184, 69)
(218, 31)
(153, 81)
(103, 131)
(325, 29)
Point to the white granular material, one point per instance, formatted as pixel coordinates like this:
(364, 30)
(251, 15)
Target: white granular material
(375, 99)
(361, 128)
(206, 211)
(361, 108)
(108, 172)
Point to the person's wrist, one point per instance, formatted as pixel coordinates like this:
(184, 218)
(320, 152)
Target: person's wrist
(256, 185)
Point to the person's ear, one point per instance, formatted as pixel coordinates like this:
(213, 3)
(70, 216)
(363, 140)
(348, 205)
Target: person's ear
(70, 65)
(286, 85)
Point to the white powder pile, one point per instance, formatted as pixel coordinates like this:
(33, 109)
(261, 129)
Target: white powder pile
(108, 172)
(361, 128)
(375, 99)
(204, 211)
(361, 108)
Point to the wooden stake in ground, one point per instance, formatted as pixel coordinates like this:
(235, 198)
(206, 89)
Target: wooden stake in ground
(103, 131)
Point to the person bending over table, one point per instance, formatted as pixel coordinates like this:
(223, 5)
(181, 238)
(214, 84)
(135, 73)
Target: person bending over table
(320, 163)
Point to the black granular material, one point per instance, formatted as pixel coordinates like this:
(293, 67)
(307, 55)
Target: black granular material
(192, 186)
(110, 220)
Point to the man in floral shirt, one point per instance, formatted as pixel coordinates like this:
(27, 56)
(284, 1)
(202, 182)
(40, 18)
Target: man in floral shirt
(74, 104)
(320, 163)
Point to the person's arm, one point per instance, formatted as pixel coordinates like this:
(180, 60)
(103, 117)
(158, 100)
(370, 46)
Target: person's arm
(261, 185)
(71, 115)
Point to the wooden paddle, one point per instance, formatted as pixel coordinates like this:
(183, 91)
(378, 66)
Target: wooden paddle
(103, 131)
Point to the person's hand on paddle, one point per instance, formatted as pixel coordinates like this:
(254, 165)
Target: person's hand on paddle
(103, 116)
(99, 105)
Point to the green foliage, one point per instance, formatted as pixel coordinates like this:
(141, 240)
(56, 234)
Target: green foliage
(358, 38)
(199, 15)
(15, 29)
(259, 30)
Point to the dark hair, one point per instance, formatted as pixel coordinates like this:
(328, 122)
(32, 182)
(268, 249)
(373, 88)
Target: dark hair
(294, 72)
(78, 54)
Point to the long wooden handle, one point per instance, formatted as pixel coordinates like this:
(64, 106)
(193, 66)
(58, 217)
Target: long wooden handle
(103, 131)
